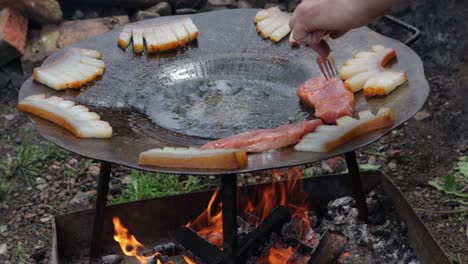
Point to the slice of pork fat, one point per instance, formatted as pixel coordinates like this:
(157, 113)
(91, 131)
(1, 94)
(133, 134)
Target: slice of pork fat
(272, 23)
(159, 37)
(365, 71)
(75, 69)
(75, 118)
(326, 138)
(194, 158)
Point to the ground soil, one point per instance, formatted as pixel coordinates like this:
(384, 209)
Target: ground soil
(417, 152)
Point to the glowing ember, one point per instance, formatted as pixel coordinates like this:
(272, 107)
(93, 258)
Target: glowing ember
(128, 243)
(343, 257)
(277, 256)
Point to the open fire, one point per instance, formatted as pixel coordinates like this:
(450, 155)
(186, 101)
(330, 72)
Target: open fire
(256, 209)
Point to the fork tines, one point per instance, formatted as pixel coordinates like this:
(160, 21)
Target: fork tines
(327, 66)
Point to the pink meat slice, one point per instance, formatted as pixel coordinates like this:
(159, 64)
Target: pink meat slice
(330, 98)
(266, 139)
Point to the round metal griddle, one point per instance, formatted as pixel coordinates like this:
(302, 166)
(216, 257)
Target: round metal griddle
(228, 82)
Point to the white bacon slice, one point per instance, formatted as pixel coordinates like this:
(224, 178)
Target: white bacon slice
(230, 159)
(65, 113)
(369, 65)
(125, 37)
(159, 37)
(272, 23)
(325, 138)
(75, 69)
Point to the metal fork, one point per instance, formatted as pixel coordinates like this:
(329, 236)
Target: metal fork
(327, 66)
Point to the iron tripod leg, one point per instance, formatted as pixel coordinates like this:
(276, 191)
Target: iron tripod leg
(356, 184)
(101, 199)
(229, 200)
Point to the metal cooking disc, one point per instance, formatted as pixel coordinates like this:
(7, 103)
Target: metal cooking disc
(228, 82)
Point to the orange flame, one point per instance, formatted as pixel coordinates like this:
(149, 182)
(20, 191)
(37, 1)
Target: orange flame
(188, 260)
(128, 243)
(286, 193)
(277, 256)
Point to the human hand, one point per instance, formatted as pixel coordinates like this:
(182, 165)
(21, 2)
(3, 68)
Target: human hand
(314, 19)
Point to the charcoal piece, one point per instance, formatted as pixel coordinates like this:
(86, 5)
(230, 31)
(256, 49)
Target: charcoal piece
(273, 223)
(168, 249)
(330, 248)
(201, 248)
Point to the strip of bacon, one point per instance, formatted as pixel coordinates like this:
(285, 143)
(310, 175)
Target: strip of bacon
(266, 139)
(330, 98)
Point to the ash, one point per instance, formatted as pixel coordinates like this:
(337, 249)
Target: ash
(382, 240)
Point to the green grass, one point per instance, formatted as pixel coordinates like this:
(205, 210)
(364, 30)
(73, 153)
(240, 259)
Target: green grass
(144, 185)
(455, 183)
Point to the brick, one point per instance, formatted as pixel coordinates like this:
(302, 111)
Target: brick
(13, 31)
(78, 30)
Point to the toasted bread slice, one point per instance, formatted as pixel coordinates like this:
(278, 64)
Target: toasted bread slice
(272, 23)
(326, 138)
(75, 69)
(65, 113)
(230, 159)
(367, 65)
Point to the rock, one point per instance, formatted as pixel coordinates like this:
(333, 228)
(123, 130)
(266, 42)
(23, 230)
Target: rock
(227, 3)
(40, 180)
(29, 215)
(185, 11)
(421, 115)
(13, 31)
(48, 177)
(127, 179)
(72, 162)
(41, 187)
(93, 170)
(41, 11)
(39, 254)
(111, 259)
(163, 9)
(191, 4)
(77, 30)
(45, 219)
(143, 15)
(244, 4)
(40, 45)
(392, 165)
(78, 14)
(3, 249)
(9, 117)
(79, 202)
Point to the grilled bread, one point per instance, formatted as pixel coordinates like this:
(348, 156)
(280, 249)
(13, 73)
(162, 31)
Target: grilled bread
(159, 37)
(272, 23)
(75, 118)
(229, 159)
(325, 138)
(365, 71)
(75, 69)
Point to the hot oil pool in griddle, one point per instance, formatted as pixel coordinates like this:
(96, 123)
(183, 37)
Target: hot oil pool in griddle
(220, 108)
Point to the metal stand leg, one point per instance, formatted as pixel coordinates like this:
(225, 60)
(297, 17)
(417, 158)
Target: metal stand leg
(101, 199)
(358, 193)
(229, 200)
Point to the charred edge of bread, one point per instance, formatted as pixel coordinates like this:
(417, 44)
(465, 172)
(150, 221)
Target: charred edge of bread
(225, 160)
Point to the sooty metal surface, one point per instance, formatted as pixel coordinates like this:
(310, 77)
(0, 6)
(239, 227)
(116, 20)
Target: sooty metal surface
(228, 82)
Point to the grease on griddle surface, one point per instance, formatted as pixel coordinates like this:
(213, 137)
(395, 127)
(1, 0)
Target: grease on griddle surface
(220, 108)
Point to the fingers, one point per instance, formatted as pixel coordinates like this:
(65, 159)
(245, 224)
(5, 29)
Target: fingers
(338, 33)
(322, 48)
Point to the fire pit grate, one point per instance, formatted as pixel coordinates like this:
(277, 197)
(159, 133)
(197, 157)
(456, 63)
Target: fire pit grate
(155, 222)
